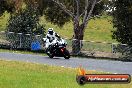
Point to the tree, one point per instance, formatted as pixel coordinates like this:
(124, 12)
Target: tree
(11, 6)
(62, 11)
(122, 21)
(109, 6)
(25, 21)
(6, 5)
(80, 11)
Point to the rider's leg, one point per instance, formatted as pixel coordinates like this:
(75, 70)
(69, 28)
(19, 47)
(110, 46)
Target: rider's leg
(47, 47)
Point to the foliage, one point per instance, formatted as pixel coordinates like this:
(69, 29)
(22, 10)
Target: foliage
(26, 21)
(60, 12)
(57, 16)
(122, 21)
(5, 5)
(4, 20)
(109, 6)
(99, 29)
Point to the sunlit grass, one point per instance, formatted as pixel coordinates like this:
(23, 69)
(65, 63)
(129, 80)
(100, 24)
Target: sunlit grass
(4, 21)
(28, 75)
(23, 52)
(98, 29)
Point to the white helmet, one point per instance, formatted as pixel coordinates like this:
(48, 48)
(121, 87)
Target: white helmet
(50, 31)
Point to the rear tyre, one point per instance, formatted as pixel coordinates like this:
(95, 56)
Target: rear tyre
(66, 54)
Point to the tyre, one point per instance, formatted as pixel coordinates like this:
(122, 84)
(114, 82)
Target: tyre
(66, 54)
(51, 55)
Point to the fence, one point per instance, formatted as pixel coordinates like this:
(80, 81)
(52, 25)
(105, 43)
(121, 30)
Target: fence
(89, 48)
(98, 49)
(103, 49)
(19, 40)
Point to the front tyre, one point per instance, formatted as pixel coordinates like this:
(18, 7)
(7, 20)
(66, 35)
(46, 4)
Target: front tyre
(66, 54)
(50, 55)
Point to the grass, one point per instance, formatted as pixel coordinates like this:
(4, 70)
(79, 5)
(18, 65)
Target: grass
(23, 52)
(4, 20)
(28, 75)
(92, 46)
(98, 29)
(89, 46)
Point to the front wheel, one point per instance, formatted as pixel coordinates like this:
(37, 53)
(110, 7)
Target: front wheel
(66, 54)
(49, 54)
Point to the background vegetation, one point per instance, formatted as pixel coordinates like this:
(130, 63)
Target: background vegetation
(99, 29)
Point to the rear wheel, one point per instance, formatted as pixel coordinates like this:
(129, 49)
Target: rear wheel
(66, 54)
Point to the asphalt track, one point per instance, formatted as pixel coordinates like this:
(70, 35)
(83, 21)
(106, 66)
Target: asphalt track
(87, 63)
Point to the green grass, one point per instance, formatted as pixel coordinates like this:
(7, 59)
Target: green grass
(98, 29)
(4, 20)
(89, 46)
(92, 46)
(22, 52)
(28, 75)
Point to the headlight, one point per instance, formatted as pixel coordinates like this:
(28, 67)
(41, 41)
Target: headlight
(56, 44)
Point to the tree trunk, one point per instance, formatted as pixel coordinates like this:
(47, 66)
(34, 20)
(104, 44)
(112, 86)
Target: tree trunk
(78, 36)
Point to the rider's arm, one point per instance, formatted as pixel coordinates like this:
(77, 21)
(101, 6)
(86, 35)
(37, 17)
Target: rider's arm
(47, 36)
(57, 35)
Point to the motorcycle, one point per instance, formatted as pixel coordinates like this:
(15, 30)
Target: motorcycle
(58, 49)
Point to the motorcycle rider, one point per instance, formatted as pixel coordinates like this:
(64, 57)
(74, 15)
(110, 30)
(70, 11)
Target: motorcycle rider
(50, 37)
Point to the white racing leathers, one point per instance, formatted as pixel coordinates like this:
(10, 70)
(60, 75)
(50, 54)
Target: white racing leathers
(56, 40)
(52, 39)
(59, 41)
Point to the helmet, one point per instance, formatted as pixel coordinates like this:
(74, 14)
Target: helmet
(50, 31)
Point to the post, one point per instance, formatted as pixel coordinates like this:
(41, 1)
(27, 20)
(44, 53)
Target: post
(20, 35)
(113, 48)
(10, 33)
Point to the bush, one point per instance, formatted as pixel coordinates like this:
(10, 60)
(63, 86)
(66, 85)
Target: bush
(25, 22)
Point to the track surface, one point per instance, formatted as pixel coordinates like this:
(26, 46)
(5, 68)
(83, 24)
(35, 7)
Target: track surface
(87, 63)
